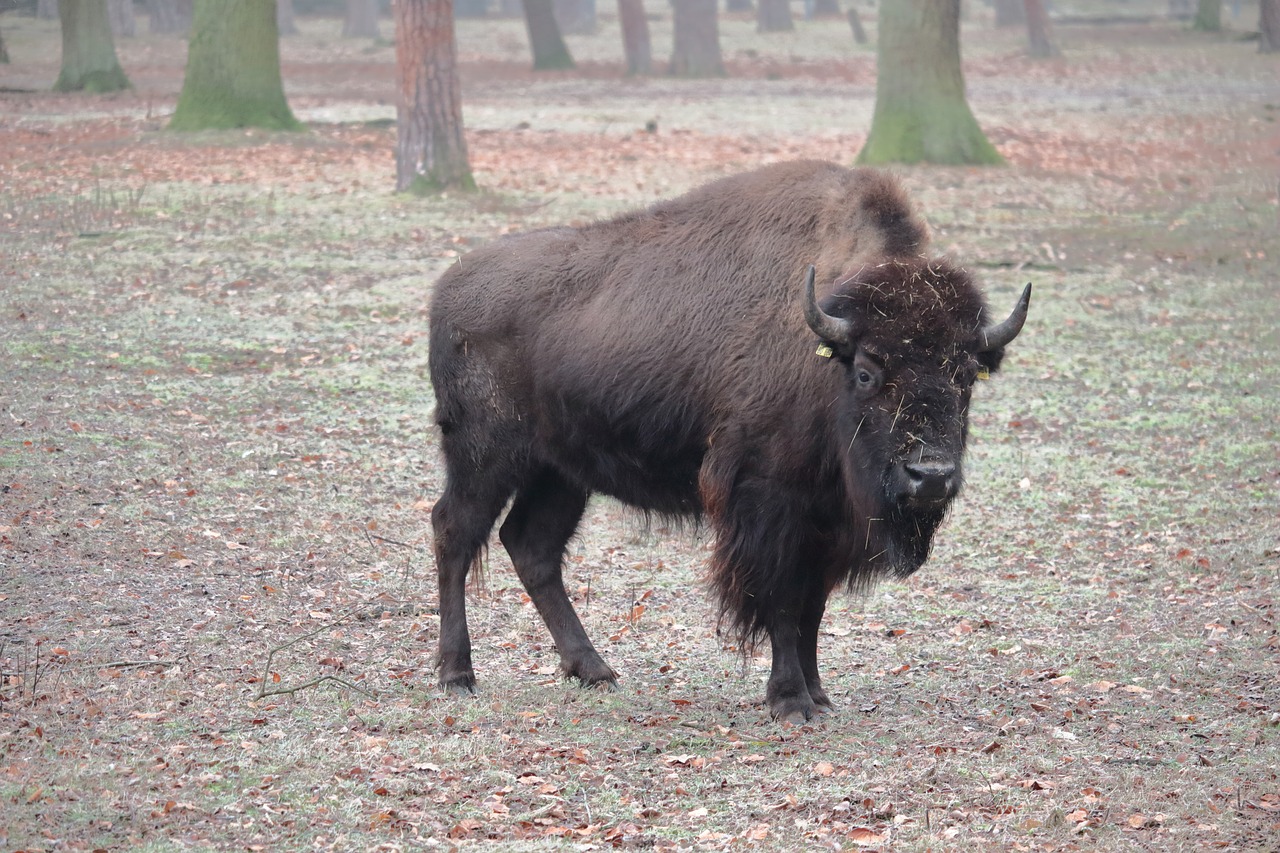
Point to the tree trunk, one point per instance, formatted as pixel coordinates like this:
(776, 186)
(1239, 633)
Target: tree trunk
(696, 52)
(549, 50)
(577, 17)
(774, 16)
(1010, 13)
(635, 37)
(1269, 25)
(123, 22)
(1041, 44)
(233, 69)
(1208, 15)
(285, 23)
(89, 61)
(921, 113)
(361, 21)
(431, 153)
(169, 17)
(855, 24)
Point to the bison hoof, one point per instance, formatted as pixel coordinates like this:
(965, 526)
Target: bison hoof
(604, 685)
(595, 673)
(798, 710)
(462, 685)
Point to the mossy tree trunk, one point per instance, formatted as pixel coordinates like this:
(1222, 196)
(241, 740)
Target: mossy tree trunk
(89, 62)
(696, 52)
(549, 50)
(431, 153)
(233, 69)
(635, 37)
(921, 113)
(1208, 15)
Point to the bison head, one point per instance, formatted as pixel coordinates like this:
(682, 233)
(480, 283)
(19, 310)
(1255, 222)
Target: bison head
(911, 337)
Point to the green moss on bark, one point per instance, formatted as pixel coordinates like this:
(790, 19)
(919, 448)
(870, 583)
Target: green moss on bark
(428, 185)
(927, 130)
(89, 61)
(233, 70)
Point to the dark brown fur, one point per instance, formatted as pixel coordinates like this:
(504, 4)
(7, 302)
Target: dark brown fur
(663, 358)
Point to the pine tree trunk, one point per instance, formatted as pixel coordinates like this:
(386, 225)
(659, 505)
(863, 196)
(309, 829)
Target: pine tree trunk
(233, 69)
(1208, 16)
(576, 17)
(921, 113)
(1269, 25)
(361, 21)
(696, 52)
(169, 17)
(89, 61)
(635, 37)
(123, 22)
(549, 50)
(774, 16)
(1041, 45)
(431, 153)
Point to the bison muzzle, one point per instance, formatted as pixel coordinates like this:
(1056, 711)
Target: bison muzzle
(667, 358)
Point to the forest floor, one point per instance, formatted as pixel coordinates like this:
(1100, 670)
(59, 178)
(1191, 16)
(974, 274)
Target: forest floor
(217, 463)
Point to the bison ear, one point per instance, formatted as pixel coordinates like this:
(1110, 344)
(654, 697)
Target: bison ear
(835, 331)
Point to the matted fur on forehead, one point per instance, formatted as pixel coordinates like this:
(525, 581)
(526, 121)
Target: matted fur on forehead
(930, 302)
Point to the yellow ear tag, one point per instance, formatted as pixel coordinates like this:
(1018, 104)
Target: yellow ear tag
(825, 351)
(983, 373)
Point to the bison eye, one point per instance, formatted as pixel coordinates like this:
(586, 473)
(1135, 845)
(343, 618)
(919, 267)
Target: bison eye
(867, 375)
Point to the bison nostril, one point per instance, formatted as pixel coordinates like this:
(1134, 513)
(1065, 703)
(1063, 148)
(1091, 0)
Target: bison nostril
(931, 480)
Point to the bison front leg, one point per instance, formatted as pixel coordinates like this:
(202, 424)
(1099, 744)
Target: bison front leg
(795, 692)
(541, 521)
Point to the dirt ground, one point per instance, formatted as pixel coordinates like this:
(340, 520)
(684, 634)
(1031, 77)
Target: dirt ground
(217, 466)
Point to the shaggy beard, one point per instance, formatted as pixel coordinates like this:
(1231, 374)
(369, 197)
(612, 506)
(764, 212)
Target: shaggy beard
(909, 538)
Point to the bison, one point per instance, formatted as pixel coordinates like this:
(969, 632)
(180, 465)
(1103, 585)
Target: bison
(667, 358)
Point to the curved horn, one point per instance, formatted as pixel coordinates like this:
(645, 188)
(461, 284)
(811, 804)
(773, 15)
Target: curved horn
(836, 330)
(1001, 334)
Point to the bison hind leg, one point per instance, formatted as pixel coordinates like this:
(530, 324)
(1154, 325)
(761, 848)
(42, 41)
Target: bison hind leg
(542, 520)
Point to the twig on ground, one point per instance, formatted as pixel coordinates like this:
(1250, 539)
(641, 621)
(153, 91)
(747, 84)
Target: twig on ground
(264, 693)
